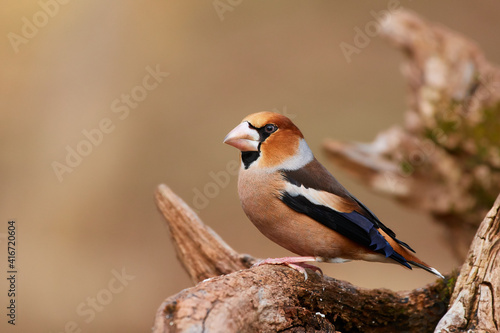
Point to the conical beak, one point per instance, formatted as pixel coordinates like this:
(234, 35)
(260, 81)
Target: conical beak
(243, 137)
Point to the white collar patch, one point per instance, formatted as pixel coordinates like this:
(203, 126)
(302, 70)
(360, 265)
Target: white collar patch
(299, 160)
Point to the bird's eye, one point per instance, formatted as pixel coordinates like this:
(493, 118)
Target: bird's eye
(270, 128)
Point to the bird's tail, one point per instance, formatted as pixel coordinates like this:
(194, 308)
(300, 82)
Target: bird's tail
(426, 267)
(409, 257)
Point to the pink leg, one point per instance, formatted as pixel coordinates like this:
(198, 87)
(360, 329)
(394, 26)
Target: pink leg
(297, 263)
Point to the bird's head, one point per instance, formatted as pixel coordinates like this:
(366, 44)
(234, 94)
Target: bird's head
(269, 140)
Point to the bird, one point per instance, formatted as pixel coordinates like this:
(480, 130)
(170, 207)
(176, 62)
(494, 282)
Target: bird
(297, 203)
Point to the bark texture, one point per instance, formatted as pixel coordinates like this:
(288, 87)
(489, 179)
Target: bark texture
(200, 250)
(475, 304)
(445, 158)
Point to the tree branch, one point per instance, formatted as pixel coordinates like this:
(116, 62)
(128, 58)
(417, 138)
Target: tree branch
(475, 303)
(202, 252)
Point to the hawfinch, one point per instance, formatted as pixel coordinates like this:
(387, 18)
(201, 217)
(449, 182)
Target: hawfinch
(295, 202)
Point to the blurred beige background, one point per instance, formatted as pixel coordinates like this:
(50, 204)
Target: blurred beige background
(79, 230)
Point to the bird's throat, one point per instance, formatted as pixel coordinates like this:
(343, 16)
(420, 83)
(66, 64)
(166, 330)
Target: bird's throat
(248, 157)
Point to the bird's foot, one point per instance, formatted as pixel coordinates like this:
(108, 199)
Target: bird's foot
(297, 263)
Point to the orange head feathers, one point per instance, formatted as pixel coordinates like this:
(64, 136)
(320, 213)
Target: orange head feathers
(271, 137)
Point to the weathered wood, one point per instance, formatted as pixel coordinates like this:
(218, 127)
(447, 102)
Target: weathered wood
(202, 252)
(445, 159)
(475, 303)
(278, 299)
(273, 298)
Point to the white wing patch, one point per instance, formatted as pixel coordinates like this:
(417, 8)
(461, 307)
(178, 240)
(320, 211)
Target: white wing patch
(322, 198)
